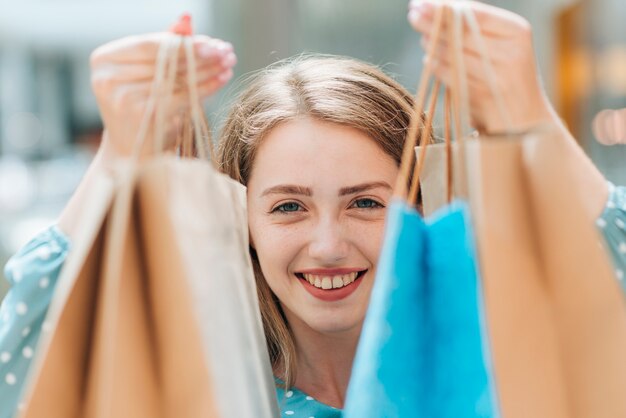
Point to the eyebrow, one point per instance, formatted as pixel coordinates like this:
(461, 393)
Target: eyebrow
(360, 188)
(288, 189)
(306, 191)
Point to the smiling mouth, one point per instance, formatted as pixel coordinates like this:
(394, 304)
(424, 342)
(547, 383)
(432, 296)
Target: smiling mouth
(331, 282)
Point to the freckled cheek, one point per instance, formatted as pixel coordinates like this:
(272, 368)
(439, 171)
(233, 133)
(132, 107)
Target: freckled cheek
(369, 239)
(277, 247)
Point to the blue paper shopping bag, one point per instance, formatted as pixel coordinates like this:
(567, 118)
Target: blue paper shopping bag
(390, 358)
(459, 377)
(422, 351)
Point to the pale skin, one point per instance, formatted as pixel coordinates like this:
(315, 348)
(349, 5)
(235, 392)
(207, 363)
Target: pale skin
(321, 225)
(331, 216)
(121, 76)
(508, 38)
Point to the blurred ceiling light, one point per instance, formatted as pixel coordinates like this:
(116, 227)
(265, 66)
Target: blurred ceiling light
(609, 127)
(611, 70)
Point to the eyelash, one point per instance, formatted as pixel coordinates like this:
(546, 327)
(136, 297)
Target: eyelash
(281, 208)
(377, 204)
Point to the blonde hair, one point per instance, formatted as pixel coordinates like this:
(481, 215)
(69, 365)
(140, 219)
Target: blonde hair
(327, 88)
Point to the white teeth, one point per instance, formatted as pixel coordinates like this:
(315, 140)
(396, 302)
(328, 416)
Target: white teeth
(337, 282)
(327, 283)
(330, 282)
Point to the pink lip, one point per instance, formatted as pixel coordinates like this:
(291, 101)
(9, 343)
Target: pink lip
(332, 295)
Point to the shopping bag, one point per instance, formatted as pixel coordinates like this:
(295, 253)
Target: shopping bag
(460, 378)
(556, 314)
(388, 373)
(589, 304)
(434, 181)
(208, 228)
(423, 350)
(155, 313)
(521, 321)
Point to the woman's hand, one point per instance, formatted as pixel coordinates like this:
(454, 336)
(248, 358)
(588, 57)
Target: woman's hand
(508, 41)
(122, 73)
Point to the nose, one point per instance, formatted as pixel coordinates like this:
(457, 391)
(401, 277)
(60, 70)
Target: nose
(328, 245)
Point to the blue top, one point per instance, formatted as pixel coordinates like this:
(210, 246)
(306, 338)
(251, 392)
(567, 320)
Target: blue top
(297, 404)
(34, 270)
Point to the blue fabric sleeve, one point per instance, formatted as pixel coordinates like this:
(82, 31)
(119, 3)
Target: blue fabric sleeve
(32, 273)
(612, 224)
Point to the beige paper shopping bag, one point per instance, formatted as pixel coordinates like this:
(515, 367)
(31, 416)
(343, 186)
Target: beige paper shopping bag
(589, 306)
(155, 313)
(555, 313)
(109, 350)
(520, 313)
(201, 218)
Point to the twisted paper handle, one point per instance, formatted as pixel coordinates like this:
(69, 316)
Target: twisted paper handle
(453, 15)
(162, 92)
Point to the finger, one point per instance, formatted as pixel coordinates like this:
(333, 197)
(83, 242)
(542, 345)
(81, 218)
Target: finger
(493, 21)
(442, 47)
(498, 49)
(144, 49)
(139, 48)
(208, 84)
(480, 93)
(211, 86)
(134, 96)
(473, 60)
(204, 72)
(215, 72)
(444, 71)
(111, 75)
(130, 97)
(211, 50)
(225, 62)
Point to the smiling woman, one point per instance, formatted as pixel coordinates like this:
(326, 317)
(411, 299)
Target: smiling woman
(317, 140)
(331, 231)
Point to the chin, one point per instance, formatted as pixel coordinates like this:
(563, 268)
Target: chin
(334, 322)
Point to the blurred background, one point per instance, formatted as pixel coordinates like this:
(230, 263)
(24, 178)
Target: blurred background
(49, 122)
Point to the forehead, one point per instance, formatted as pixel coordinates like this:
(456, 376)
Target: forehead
(314, 153)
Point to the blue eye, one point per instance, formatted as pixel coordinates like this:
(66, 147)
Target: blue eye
(366, 204)
(287, 207)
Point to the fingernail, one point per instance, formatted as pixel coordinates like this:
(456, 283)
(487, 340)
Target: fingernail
(414, 16)
(225, 76)
(422, 6)
(207, 51)
(415, 4)
(225, 47)
(229, 60)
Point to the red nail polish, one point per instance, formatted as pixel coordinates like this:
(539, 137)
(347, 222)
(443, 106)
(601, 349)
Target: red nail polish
(183, 26)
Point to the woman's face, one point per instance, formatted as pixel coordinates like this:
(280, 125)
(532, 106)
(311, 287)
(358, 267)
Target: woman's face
(317, 198)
